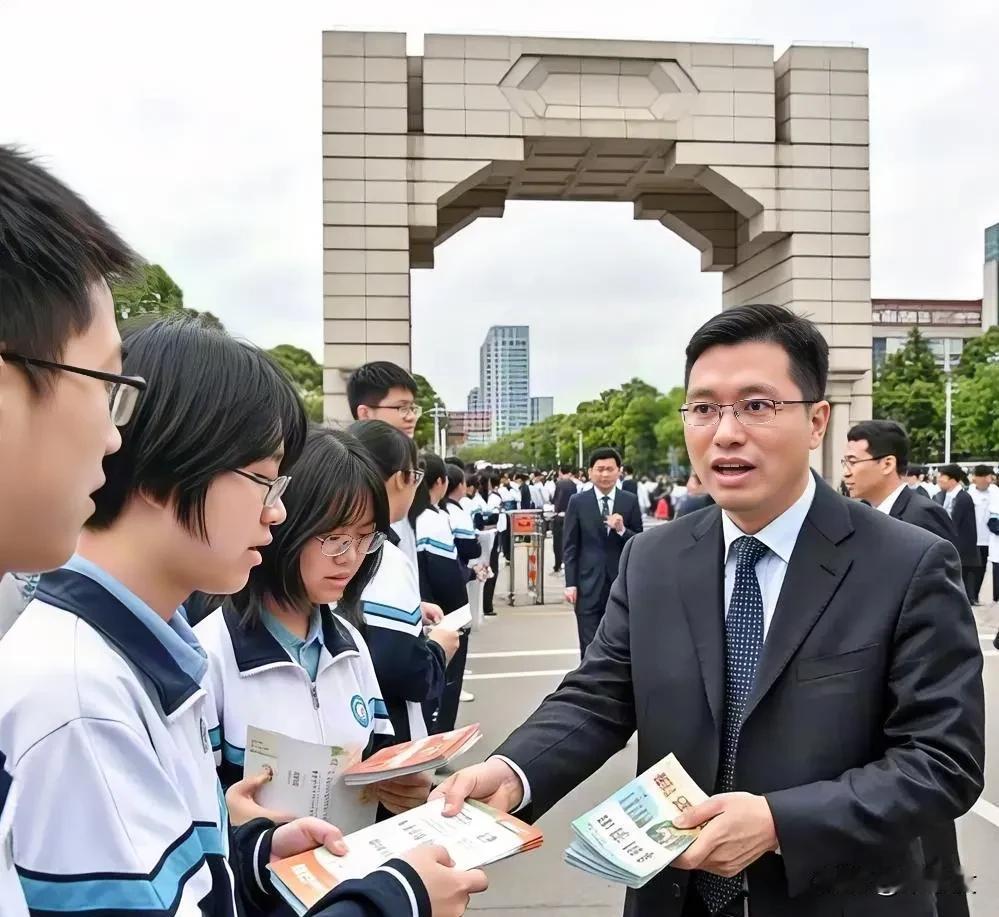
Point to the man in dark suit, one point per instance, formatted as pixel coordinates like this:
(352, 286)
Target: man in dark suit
(961, 507)
(874, 465)
(915, 476)
(695, 498)
(598, 524)
(808, 660)
(628, 481)
(565, 490)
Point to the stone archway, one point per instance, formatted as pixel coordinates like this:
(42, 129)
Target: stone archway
(761, 165)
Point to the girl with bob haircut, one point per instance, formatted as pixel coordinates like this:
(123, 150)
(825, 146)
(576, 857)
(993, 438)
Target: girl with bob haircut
(280, 658)
(409, 666)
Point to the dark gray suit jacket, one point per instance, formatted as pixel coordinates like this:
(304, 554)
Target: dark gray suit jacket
(912, 507)
(592, 553)
(866, 722)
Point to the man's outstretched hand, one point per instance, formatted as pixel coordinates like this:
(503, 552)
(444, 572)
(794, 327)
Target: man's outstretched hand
(493, 782)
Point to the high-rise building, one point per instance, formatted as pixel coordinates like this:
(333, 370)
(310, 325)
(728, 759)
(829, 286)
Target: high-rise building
(474, 399)
(990, 290)
(505, 377)
(542, 407)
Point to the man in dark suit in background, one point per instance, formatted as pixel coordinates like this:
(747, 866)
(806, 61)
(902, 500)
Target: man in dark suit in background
(628, 481)
(961, 508)
(565, 490)
(598, 524)
(877, 457)
(916, 478)
(808, 660)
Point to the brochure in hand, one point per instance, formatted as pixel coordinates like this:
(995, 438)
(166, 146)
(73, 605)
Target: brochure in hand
(475, 837)
(424, 754)
(630, 837)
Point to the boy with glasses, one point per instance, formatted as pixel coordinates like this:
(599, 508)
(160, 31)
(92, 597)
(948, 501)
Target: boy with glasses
(384, 391)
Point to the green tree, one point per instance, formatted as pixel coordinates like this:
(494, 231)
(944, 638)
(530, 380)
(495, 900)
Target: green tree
(909, 389)
(152, 291)
(976, 396)
(307, 375)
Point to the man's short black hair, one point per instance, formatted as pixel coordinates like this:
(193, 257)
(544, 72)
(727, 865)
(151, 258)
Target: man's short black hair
(956, 472)
(334, 481)
(565, 469)
(370, 383)
(982, 471)
(628, 469)
(53, 248)
(806, 349)
(883, 437)
(212, 404)
(605, 452)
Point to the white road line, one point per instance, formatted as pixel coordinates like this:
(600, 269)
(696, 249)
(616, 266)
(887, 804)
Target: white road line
(987, 810)
(510, 655)
(538, 673)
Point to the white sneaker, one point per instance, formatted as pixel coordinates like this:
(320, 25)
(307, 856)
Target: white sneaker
(466, 697)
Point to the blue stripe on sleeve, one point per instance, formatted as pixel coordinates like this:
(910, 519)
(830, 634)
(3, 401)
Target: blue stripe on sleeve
(391, 612)
(436, 547)
(215, 736)
(233, 753)
(377, 707)
(155, 892)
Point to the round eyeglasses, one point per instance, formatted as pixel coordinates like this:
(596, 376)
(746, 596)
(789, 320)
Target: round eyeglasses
(275, 488)
(338, 545)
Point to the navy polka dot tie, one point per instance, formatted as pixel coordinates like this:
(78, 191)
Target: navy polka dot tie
(743, 643)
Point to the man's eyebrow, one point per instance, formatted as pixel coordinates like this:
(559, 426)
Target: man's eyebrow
(704, 393)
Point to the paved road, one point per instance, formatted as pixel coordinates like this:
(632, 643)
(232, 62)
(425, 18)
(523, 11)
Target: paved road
(520, 656)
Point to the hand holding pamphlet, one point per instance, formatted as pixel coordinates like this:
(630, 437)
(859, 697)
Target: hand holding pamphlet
(426, 754)
(475, 837)
(630, 837)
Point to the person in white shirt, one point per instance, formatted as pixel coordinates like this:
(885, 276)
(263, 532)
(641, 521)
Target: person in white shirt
(984, 493)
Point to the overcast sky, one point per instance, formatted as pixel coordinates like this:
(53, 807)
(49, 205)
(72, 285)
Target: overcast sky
(195, 127)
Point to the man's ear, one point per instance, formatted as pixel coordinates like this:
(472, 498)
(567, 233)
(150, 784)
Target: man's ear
(363, 412)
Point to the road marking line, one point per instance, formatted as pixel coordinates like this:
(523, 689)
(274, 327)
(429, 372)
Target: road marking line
(987, 810)
(540, 672)
(510, 655)
(540, 614)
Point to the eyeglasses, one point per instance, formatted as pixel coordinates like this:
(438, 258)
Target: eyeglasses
(851, 461)
(748, 411)
(416, 475)
(406, 410)
(275, 488)
(123, 391)
(338, 545)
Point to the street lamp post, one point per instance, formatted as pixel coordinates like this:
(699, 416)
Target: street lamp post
(579, 441)
(948, 395)
(437, 413)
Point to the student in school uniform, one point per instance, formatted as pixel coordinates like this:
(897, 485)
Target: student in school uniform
(442, 580)
(491, 491)
(462, 527)
(410, 667)
(279, 657)
(57, 422)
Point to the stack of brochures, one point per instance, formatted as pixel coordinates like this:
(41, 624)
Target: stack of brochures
(426, 754)
(475, 837)
(630, 837)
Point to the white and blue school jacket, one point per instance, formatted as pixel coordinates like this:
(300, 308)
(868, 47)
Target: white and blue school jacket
(105, 723)
(10, 886)
(410, 668)
(442, 579)
(255, 682)
(466, 541)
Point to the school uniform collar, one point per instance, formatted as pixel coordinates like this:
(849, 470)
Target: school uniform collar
(256, 649)
(166, 652)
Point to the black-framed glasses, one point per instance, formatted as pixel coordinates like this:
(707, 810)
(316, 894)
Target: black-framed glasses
(275, 488)
(749, 411)
(123, 391)
(416, 475)
(405, 410)
(850, 461)
(338, 545)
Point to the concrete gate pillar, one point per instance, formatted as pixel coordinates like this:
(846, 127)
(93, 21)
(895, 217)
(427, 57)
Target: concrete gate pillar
(762, 165)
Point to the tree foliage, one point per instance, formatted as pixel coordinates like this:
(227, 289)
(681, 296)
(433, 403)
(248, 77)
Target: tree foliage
(152, 291)
(637, 419)
(427, 398)
(975, 405)
(307, 375)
